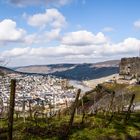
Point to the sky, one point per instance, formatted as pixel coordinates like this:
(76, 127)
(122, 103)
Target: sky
(39, 32)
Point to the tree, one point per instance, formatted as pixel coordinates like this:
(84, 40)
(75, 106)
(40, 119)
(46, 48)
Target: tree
(3, 62)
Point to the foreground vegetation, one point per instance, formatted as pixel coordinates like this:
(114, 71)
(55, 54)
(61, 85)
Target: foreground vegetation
(110, 120)
(95, 127)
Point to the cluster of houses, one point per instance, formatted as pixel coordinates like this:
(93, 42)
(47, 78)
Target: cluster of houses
(38, 90)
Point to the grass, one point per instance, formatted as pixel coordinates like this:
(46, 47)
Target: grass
(93, 128)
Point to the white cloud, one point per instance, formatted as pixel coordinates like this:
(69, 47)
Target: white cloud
(81, 38)
(44, 37)
(129, 46)
(60, 51)
(9, 31)
(16, 52)
(137, 24)
(73, 53)
(51, 23)
(78, 46)
(40, 2)
(108, 29)
(52, 18)
(52, 35)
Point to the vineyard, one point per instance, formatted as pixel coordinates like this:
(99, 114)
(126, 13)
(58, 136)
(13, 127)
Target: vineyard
(106, 112)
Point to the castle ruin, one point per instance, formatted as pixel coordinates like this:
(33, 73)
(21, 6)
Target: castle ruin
(130, 68)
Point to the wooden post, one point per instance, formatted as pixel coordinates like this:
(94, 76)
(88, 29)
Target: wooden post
(66, 102)
(30, 110)
(111, 102)
(59, 114)
(76, 111)
(1, 106)
(109, 110)
(43, 108)
(83, 111)
(83, 117)
(11, 109)
(129, 109)
(23, 108)
(72, 114)
(50, 107)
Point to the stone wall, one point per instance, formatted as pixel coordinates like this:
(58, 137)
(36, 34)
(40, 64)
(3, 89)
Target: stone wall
(130, 67)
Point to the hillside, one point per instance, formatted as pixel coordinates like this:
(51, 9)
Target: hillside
(45, 69)
(4, 70)
(75, 71)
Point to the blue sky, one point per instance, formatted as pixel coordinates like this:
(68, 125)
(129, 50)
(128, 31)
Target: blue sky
(68, 31)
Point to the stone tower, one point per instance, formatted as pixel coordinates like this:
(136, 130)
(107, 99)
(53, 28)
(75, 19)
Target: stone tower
(130, 67)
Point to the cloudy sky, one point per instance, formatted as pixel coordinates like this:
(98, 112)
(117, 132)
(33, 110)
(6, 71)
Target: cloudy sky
(68, 31)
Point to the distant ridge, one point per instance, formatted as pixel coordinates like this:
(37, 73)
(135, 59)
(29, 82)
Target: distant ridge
(85, 71)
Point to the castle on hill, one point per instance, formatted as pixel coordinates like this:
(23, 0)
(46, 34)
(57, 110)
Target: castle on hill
(130, 68)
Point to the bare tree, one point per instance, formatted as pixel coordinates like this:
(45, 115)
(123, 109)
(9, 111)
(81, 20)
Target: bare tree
(4, 61)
